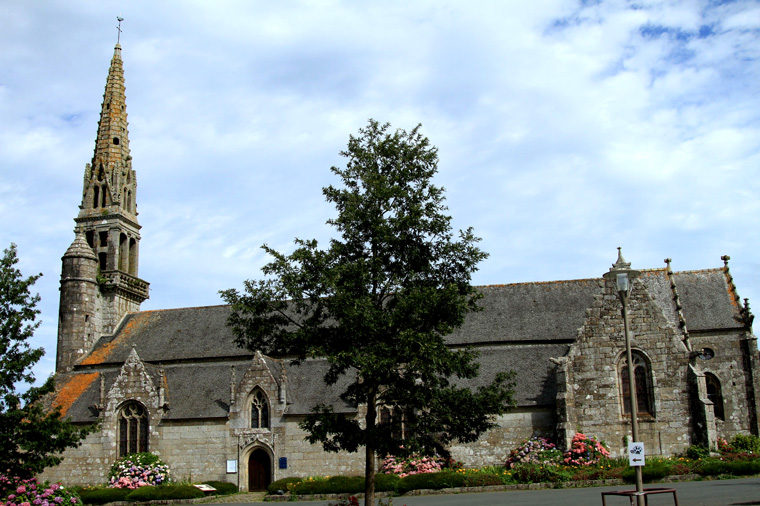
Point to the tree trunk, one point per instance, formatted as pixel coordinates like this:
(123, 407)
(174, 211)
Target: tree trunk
(369, 465)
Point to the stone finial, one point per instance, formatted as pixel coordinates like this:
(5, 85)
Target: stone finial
(747, 314)
(621, 263)
(725, 259)
(667, 263)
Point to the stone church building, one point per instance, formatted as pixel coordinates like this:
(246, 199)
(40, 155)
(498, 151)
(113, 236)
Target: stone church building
(173, 382)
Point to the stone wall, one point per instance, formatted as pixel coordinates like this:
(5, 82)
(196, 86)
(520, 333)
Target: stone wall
(493, 447)
(196, 450)
(594, 404)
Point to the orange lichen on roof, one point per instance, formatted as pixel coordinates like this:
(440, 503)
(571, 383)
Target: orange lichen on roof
(135, 322)
(72, 388)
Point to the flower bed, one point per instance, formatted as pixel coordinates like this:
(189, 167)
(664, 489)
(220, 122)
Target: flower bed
(138, 470)
(31, 492)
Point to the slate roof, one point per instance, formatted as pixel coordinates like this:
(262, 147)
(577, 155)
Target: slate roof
(709, 302)
(528, 312)
(521, 327)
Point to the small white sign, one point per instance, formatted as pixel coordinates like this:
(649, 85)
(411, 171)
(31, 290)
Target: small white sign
(231, 466)
(205, 488)
(636, 454)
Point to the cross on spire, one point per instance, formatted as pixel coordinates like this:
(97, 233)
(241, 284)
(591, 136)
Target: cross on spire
(118, 37)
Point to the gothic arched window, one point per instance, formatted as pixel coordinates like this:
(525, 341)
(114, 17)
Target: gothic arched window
(642, 376)
(133, 429)
(259, 410)
(715, 394)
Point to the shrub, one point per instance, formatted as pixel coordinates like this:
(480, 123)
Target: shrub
(742, 443)
(282, 485)
(331, 485)
(696, 452)
(386, 482)
(164, 492)
(482, 480)
(535, 449)
(101, 495)
(585, 450)
(434, 481)
(533, 472)
(222, 487)
(413, 464)
(31, 491)
(715, 467)
(138, 470)
(654, 470)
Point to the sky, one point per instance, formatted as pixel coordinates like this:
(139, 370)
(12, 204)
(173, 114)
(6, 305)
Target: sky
(564, 129)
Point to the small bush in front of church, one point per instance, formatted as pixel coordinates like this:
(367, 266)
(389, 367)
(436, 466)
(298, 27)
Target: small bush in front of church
(101, 495)
(18, 492)
(534, 472)
(413, 464)
(222, 487)
(741, 443)
(585, 451)
(654, 470)
(331, 485)
(164, 493)
(536, 450)
(283, 486)
(138, 470)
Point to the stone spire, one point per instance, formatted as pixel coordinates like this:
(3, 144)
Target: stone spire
(99, 283)
(109, 181)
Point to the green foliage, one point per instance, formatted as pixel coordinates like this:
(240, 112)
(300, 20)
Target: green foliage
(745, 443)
(534, 472)
(696, 452)
(377, 304)
(31, 436)
(331, 485)
(102, 495)
(431, 481)
(386, 482)
(484, 479)
(654, 470)
(222, 487)
(716, 467)
(164, 492)
(283, 485)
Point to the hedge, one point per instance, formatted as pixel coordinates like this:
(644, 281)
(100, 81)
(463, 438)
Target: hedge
(165, 492)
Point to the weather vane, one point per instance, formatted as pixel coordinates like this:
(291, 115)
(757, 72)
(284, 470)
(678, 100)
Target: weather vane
(118, 37)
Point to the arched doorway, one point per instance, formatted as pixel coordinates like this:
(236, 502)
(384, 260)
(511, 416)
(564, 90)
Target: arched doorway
(259, 470)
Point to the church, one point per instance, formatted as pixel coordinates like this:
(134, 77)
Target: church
(173, 382)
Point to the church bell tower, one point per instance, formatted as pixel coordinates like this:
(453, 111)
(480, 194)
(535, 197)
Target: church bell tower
(99, 282)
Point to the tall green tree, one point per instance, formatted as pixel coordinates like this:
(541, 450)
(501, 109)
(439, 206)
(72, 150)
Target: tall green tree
(31, 437)
(377, 304)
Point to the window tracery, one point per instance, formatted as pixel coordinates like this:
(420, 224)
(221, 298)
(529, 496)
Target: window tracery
(715, 394)
(642, 376)
(132, 428)
(259, 410)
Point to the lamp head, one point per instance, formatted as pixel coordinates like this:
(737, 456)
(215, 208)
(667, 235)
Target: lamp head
(623, 275)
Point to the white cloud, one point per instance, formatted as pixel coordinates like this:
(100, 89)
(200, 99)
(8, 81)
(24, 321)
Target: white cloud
(565, 129)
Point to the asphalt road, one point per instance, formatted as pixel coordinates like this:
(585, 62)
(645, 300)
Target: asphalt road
(745, 491)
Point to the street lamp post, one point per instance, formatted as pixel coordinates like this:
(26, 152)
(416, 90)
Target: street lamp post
(623, 276)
